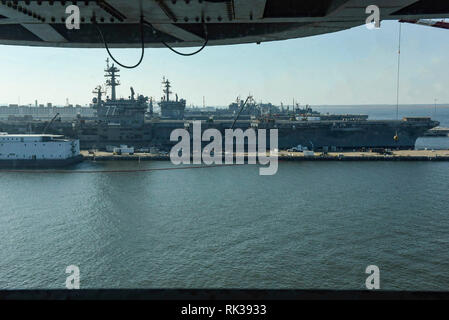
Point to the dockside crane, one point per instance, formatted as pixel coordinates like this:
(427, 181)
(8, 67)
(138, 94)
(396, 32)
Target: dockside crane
(50, 123)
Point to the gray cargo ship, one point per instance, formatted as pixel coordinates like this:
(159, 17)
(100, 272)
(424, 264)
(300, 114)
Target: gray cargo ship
(133, 122)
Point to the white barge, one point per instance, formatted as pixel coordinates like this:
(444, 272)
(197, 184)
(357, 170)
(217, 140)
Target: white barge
(37, 151)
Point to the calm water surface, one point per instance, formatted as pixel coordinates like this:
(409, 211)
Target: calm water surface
(312, 225)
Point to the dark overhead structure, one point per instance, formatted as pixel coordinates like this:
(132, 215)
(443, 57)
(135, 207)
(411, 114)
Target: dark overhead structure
(182, 23)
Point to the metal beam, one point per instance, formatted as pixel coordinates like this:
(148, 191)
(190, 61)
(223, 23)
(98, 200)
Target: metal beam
(246, 9)
(45, 32)
(177, 32)
(167, 10)
(42, 30)
(336, 7)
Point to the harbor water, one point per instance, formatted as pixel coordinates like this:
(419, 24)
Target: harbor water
(312, 225)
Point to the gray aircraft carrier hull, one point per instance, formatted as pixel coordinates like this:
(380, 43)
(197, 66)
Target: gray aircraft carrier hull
(339, 135)
(352, 135)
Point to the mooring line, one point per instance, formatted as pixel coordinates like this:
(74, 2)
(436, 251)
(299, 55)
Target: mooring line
(115, 171)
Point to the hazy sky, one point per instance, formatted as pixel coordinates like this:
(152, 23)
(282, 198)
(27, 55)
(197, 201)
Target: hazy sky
(357, 66)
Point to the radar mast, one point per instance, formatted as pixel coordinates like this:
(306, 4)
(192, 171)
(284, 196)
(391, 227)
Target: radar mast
(167, 91)
(111, 75)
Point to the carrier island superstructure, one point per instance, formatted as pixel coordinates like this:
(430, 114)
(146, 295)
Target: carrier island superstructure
(134, 122)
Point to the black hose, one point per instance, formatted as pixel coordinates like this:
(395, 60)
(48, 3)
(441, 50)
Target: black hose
(109, 52)
(142, 23)
(206, 37)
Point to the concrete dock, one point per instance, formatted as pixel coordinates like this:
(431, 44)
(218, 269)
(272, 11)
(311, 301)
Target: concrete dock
(398, 155)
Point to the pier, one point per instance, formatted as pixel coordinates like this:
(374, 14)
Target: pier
(397, 155)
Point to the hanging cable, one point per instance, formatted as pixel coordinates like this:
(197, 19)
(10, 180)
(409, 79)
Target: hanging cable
(399, 68)
(109, 52)
(396, 136)
(142, 23)
(206, 37)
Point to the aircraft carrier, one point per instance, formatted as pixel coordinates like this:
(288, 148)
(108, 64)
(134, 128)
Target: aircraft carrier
(133, 122)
